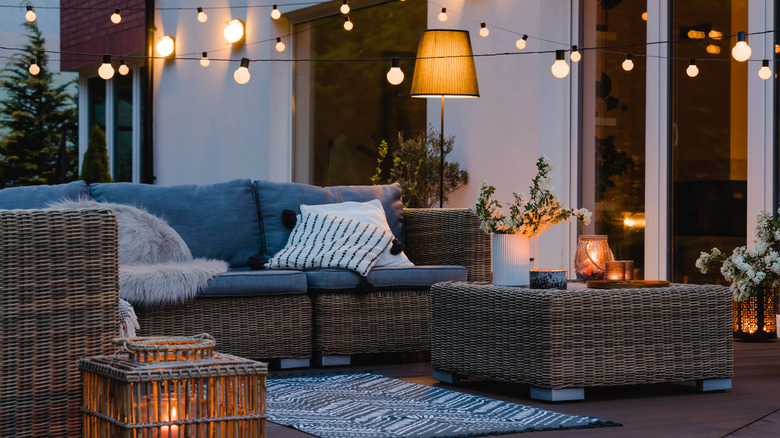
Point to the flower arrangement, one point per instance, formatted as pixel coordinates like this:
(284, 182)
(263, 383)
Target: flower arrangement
(530, 214)
(750, 270)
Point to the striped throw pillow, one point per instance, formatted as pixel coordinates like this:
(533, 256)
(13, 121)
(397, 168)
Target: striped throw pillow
(324, 241)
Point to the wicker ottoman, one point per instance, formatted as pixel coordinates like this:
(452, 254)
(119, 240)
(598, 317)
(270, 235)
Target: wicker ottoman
(561, 341)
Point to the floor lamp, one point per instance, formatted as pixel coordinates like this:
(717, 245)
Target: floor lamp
(445, 69)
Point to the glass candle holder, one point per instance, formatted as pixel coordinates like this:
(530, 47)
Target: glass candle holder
(629, 272)
(616, 271)
(591, 257)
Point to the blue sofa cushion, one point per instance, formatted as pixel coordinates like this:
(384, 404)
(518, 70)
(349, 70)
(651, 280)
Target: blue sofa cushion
(243, 282)
(216, 221)
(275, 197)
(41, 196)
(390, 277)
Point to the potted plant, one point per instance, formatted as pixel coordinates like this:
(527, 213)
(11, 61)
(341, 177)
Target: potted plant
(754, 275)
(529, 216)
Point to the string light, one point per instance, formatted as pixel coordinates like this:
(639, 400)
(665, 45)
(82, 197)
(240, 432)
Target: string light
(741, 51)
(575, 54)
(765, 72)
(30, 15)
(204, 61)
(275, 13)
(166, 45)
(123, 68)
(106, 71)
(483, 30)
(348, 24)
(344, 7)
(692, 70)
(644, 16)
(116, 17)
(202, 17)
(521, 43)
(395, 76)
(234, 31)
(713, 49)
(443, 15)
(279, 45)
(34, 67)
(714, 34)
(241, 75)
(560, 69)
(628, 64)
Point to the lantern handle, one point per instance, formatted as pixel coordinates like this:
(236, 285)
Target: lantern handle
(595, 263)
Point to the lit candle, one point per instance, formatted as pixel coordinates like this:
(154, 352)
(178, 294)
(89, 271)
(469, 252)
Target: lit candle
(172, 431)
(616, 271)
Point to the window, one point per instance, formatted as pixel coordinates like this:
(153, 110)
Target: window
(350, 106)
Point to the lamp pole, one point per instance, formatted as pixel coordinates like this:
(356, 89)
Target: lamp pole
(441, 157)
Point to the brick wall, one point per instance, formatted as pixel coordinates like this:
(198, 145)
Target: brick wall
(87, 30)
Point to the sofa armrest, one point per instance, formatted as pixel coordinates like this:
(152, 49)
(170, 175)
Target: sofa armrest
(448, 236)
(59, 302)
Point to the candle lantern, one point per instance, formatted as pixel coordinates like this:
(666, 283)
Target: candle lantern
(755, 318)
(591, 257)
(616, 271)
(172, 387)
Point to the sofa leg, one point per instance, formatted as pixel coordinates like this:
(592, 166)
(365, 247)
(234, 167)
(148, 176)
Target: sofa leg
(294, 363)
(332, 361)
(707, 385)
(554, 395)
(446, 377)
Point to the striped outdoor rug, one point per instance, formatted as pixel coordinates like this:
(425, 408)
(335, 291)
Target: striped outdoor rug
(369, 405)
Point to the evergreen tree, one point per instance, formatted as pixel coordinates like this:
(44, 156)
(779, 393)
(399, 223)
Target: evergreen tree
(34, 114)
(95, 168)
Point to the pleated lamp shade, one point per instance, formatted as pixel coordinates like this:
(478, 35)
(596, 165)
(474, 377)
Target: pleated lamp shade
(445, 65)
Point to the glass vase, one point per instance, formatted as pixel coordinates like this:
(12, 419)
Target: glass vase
(755, 317)
(591, 257)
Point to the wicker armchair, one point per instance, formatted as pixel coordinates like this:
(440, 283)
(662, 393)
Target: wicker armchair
(383, 321)
(59, 291)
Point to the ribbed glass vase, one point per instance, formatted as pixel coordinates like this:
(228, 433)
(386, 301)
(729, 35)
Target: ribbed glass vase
(755, 317)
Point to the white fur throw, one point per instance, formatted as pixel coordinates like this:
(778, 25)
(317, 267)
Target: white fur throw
(156, 267)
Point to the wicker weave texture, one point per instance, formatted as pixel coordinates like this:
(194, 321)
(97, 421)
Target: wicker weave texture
(262, 327)
(448, 236)
(378, 322)
(580, 338)
(59, 291)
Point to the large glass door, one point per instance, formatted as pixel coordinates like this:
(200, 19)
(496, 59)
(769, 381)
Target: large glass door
(708, 144)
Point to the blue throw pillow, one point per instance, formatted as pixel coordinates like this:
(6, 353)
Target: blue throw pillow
(41, 196)
(217, 221)
(274, 197)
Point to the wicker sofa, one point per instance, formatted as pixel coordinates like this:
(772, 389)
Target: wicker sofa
(59, 291)
(292, 316)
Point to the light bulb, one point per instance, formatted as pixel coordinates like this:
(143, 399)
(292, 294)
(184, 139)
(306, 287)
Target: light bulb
(166, 45)
(575, 55)
(106, 71)
(30, 15)
(241, 75)
(741, 51)
(521, 43)
(275, 13)
(713, 49)
(116, 17)
(443, 15)
(348, 24)
(395, 76)
(279, 45)
(765, 72)
(560, 69)
(483, 30)
(202, 17)
(344, 7)
(628, 64)
(123, 68)
(234, 31)
(714, 34)
(204, 61)
(692, 70)
(34, 67)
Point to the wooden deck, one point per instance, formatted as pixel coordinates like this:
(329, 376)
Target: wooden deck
(751, 409)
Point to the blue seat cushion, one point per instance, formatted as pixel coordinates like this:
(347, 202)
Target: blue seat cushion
(243, 282)
(390, 277)
(41, 196)
(217, 221)
(274, 197)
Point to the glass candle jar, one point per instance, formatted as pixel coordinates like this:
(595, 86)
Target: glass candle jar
(591, 257)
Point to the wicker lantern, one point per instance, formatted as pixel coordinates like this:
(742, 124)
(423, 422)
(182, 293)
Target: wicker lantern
(755, 317)
(172, 387)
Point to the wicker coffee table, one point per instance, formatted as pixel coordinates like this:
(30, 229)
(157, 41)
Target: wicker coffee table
(562, 341)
